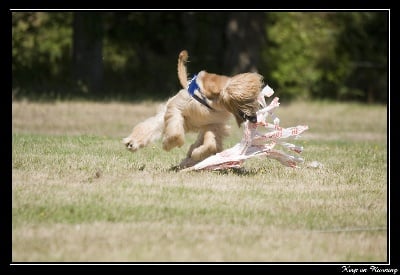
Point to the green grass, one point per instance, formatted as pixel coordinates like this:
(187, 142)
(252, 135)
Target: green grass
(79, 195)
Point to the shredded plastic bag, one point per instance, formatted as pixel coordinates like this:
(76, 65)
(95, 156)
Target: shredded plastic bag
(259, 140)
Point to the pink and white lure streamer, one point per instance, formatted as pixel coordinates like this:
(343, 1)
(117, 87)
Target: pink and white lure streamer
(259, 140)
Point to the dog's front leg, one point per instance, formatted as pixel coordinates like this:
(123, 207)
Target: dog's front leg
(174, 132)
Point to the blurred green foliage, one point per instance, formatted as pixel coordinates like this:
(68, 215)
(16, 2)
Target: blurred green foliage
(303, 55)
(41, 48)
(297, 42)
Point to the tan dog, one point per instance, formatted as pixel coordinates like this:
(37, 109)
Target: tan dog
(204, 106)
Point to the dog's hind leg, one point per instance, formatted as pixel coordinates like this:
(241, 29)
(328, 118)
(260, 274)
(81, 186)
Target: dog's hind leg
(208, 143)
(208, 147)
(146, 132)
(189, 161)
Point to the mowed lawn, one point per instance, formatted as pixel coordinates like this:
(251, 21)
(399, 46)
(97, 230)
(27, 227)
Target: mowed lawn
(79, 196)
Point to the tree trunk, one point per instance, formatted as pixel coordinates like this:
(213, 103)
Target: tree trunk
(87, 51)
(245, 36)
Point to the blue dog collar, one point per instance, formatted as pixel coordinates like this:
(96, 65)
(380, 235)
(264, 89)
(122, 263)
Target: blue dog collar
(192, 88)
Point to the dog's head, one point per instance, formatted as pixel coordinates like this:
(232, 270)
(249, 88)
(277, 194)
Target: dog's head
(238, 94)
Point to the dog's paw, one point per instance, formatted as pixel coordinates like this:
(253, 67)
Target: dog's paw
(130, 144)
(186, 163)
(170, 142)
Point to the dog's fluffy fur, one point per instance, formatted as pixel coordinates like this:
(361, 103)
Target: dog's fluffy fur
(235, 95)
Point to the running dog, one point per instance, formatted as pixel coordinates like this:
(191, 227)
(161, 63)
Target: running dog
(204, 105)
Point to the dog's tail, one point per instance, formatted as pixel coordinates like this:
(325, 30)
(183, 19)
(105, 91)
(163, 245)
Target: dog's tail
(146, 131)
(182, 71)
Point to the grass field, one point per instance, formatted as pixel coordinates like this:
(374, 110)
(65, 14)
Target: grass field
(79, 196)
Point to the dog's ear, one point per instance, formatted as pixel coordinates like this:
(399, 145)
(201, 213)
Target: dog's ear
(240, 95)
(211, 85)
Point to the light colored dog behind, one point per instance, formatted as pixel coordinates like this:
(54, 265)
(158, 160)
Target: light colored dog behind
(222, 97)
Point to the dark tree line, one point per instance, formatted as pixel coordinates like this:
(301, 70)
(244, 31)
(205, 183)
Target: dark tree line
(133, 55)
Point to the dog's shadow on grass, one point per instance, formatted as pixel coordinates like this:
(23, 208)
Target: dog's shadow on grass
(238, 172)
(229, 171)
